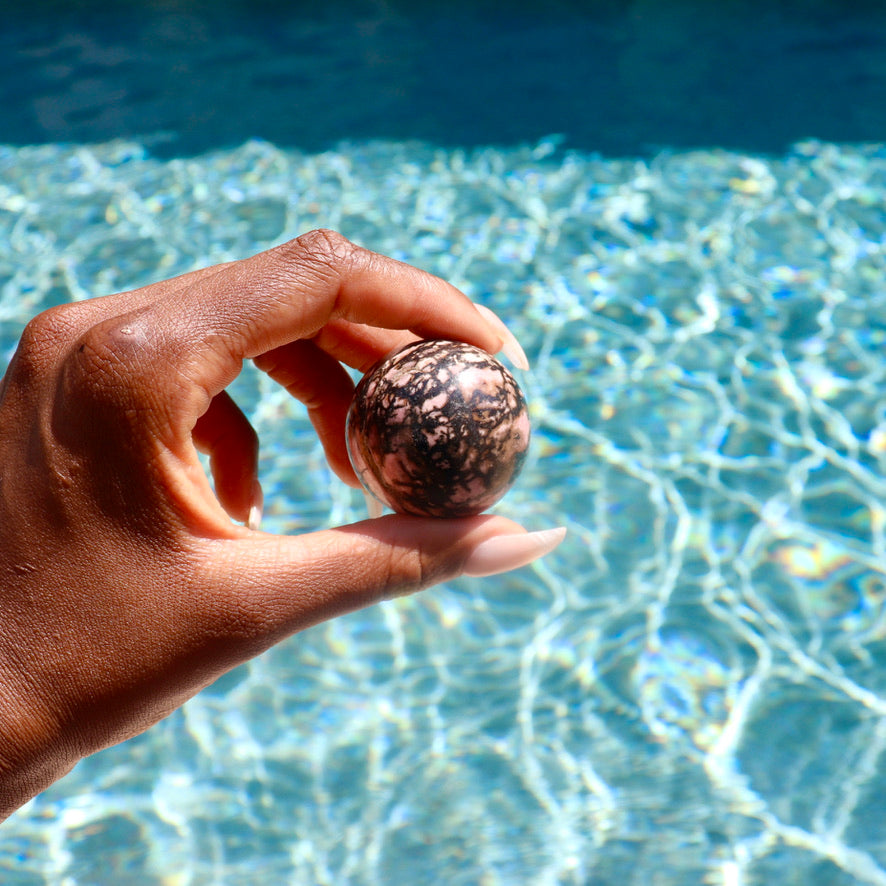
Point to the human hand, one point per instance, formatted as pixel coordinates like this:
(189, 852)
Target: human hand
(125, 584)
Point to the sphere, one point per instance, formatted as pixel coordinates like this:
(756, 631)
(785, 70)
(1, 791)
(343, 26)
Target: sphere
(438, 429)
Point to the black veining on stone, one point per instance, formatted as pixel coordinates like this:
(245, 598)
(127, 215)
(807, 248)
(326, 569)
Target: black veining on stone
(439, 429)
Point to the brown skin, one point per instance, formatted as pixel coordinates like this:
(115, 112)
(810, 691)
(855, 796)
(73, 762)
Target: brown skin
(125, 585)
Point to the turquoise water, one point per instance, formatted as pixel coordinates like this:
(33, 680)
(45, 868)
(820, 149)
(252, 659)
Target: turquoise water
(692, 689)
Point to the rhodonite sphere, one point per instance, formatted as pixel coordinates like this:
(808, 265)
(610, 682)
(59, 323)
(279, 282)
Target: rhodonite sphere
(438, 429)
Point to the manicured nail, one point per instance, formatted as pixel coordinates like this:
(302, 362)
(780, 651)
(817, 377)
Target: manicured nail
(504, 552)
(253, 521)
(509, 344)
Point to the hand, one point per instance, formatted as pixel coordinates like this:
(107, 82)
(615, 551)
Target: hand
(125, 584)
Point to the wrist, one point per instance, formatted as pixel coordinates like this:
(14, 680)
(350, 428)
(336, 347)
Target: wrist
(33, 751)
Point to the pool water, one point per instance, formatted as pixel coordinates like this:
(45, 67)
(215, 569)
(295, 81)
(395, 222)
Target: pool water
(692, 688)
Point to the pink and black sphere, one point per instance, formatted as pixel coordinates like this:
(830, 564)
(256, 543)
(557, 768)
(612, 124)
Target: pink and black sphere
(438, 429)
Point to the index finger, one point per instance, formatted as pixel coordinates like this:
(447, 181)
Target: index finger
(292, 291)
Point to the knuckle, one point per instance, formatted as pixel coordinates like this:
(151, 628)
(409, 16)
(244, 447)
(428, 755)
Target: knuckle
(323, 242)
(46, 336)
(407, 569)
(322, 251)
(105, 359)
(107, 345)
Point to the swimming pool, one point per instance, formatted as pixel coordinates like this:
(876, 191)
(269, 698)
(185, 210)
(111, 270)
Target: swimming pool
(692, 688)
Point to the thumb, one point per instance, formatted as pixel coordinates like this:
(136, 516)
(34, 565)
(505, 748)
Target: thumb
(273, 586)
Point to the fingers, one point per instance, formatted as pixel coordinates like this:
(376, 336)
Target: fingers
(293, 291)
(182, 342)
(358, 345)
(288, 584)
(297, 309)
(224, 433)
(321, 383)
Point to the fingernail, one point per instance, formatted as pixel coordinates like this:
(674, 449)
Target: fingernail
(504, 552)
(253, 521)
(510, 346)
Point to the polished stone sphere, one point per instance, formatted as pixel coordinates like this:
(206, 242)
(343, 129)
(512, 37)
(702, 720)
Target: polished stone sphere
(438, 429)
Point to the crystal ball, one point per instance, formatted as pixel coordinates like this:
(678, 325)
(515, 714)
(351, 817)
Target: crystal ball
(438, 429)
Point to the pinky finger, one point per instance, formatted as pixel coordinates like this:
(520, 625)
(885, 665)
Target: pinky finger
(224, 433)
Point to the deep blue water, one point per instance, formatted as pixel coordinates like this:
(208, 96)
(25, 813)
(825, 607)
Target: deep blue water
(623, 78)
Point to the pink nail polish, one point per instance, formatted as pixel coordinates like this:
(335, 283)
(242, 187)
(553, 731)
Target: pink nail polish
(505, 552)
(510, 346)
(253, 521)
